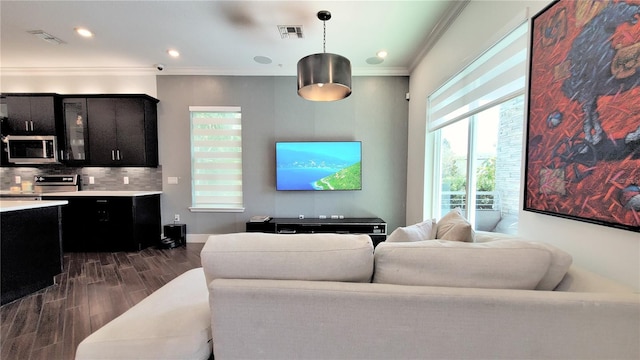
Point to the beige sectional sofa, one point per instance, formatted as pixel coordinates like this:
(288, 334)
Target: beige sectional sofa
(330, 296)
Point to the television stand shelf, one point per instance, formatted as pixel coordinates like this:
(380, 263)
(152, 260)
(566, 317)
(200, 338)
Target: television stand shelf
(376, 228)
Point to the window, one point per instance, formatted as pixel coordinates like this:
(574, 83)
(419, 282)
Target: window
(216, 159)
(479, 166)
(477, 118)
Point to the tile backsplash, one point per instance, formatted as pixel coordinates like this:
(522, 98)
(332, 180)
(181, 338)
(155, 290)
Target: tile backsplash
(105, 178)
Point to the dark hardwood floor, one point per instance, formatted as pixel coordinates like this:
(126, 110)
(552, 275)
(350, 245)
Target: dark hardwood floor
(93, 289)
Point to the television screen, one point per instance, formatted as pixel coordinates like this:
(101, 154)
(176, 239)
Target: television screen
(319, 165)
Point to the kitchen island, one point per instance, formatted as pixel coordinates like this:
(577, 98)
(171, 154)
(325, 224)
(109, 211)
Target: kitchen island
(103, 220)
(31, 250)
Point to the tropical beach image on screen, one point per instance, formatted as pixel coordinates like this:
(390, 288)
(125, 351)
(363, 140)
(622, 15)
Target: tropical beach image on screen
(317, 165)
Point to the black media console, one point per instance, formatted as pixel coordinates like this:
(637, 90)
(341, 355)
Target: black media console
(376, 228)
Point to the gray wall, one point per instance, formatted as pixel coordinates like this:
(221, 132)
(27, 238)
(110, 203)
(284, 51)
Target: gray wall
(376, 113)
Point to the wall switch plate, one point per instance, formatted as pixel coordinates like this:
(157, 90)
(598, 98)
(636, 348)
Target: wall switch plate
(126, 180)
(335, 217)
(172, 180)
(176, 217)
(92, 180)
(322, 217)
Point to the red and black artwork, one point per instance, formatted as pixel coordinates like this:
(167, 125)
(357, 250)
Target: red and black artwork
(583, 134)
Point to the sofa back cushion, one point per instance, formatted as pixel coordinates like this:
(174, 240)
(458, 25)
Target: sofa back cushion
(324, 257)
(502, 264)
(560, 260)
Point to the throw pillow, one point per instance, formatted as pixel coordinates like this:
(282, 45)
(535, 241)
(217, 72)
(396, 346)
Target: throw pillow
(425, 230)
(454, 227)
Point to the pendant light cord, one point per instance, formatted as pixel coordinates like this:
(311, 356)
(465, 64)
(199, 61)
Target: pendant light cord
(324, 36)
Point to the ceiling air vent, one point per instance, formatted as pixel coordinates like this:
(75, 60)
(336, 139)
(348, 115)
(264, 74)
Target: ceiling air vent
(47, 37)
(290, 31)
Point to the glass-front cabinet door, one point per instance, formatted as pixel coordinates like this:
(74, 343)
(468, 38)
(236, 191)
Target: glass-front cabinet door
(76, 144)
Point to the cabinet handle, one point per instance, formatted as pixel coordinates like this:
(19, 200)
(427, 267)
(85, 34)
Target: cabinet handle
(26, 126)
(31, 125)
(113, 154)
(118, 154)
(61, 154)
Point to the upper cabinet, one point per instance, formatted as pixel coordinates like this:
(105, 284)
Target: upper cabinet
(122, 131)
(31, 114)
(91, 130)
(74, 143)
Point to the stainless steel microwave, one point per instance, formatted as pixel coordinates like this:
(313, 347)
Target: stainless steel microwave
(32, 149)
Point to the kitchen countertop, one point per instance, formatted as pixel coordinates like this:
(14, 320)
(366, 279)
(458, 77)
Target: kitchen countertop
(103, 193)
(14, 205)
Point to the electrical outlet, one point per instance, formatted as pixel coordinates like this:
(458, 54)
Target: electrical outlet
(322, 217)
(126, 180)
(172, 180)
(92, 180)
(18, 179)
(334, 217)
(176, 217)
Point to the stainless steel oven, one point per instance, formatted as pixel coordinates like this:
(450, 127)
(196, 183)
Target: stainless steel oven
(44, 185)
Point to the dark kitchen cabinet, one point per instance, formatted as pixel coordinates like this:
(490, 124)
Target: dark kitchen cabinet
(33, 114)
(110, 223)
(122, 131)
(31, 251)
(75, 142)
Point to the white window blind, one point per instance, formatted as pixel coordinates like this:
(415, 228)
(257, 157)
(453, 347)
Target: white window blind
(216, 158)
(494, 77)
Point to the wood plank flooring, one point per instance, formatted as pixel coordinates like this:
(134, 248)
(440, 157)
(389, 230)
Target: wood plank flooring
(93, 289)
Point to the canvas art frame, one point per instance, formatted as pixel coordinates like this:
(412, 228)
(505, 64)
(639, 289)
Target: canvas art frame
(583, 129)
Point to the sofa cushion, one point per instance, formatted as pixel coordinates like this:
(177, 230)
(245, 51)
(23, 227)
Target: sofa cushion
(425, 230)
(560, 260)
(503, 264)
(454, 227)
(328, 257)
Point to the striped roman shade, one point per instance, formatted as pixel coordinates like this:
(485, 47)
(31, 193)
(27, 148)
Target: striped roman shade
(216, 158)
(494, 77)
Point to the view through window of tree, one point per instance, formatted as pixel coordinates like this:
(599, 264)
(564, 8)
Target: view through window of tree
(480, 164)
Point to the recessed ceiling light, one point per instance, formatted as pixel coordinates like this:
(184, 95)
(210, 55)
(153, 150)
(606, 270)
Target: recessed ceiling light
(382, 54)
(83, 32)
(173, 52)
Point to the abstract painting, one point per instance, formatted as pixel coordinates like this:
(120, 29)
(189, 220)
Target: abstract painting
(583, 131)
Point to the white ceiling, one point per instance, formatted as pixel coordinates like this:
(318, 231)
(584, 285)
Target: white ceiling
(216, 37)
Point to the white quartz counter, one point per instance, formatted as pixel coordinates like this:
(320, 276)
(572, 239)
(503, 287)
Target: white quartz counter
(104, 193)
(14, 205)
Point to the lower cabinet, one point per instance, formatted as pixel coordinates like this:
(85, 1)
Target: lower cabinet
(111, 223)
(31, 255)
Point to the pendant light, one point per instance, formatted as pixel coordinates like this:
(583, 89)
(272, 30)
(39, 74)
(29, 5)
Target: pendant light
(324, 76)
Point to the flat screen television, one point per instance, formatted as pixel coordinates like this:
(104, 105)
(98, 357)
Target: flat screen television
(319, 165)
